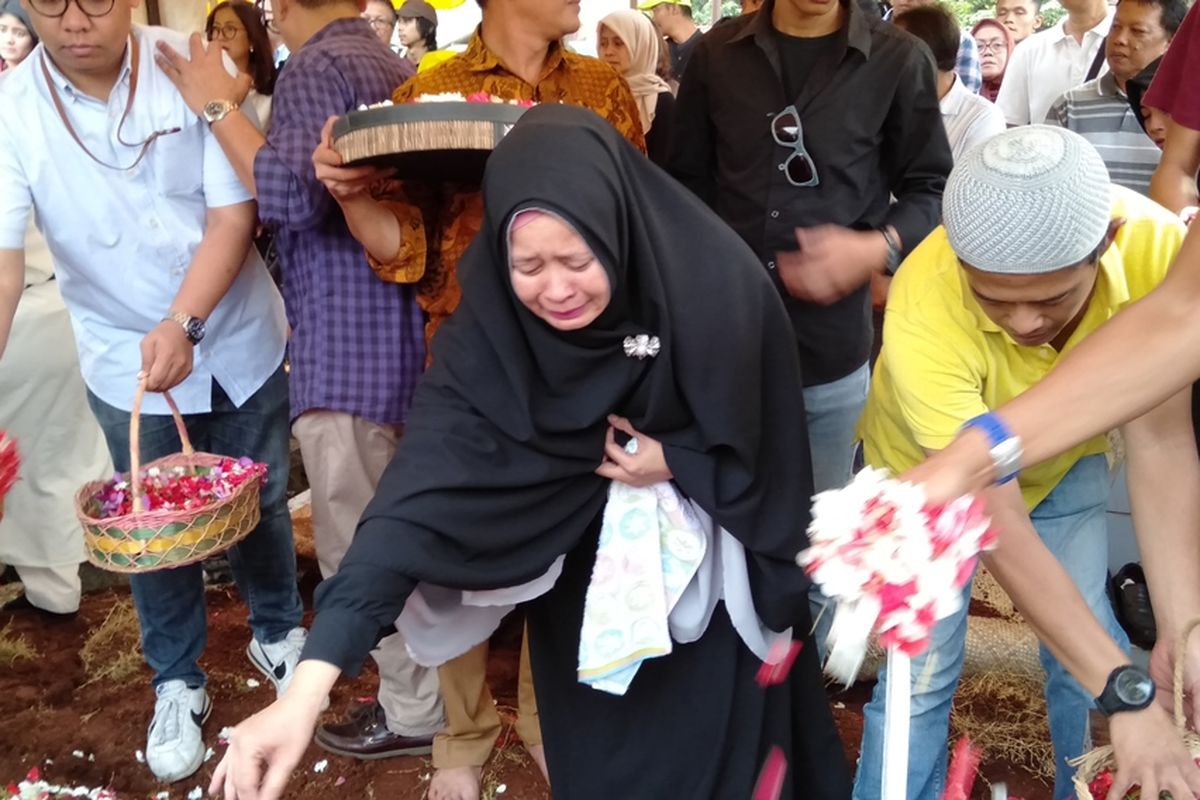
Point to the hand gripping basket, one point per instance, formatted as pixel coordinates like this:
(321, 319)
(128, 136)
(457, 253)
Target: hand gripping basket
(1089, 765)
(146, 541)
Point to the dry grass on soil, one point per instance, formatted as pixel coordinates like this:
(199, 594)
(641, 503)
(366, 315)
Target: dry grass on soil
(14, 648)
(1005, 716)
(113, 650)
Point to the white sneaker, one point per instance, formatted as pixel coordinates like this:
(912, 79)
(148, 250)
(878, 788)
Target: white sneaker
(278, 661)
(174, 745)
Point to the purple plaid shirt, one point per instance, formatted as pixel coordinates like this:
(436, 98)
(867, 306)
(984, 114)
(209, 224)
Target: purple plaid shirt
(357, 344)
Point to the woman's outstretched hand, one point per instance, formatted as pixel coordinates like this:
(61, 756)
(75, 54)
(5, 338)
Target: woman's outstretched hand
(266, 747)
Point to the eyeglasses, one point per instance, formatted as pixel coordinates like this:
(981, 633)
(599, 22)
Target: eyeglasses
(798, 167)
(224, 33)
(381, 24)
(268, 18)
(57, 8)
(988, 47)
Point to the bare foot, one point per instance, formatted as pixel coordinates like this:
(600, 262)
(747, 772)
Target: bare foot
(538, 753)
(456, 783)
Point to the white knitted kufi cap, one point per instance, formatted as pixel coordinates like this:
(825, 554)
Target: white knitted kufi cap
(1032, 199)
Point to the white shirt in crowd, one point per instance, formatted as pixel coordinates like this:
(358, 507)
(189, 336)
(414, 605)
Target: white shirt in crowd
(122, 240)
(1046, 65)
(969, 118)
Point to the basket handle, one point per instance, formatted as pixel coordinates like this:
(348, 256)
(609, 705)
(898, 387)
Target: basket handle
(1180, 658)
(135, 456)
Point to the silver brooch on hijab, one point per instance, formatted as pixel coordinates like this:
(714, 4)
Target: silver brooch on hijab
(642, 346)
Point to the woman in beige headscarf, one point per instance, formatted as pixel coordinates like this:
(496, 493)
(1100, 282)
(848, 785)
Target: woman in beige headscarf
(628, 41)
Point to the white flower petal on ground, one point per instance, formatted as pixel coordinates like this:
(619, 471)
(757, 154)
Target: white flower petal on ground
(252, 683)
(321, 765)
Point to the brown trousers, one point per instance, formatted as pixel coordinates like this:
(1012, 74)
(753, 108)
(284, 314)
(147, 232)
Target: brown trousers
(472, 723)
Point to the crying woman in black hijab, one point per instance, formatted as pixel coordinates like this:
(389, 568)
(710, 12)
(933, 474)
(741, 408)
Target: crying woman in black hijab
(613, 333)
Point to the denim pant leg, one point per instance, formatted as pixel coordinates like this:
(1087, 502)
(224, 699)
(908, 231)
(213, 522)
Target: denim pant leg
(264, 563)
(169, 603)
(831, 411)
(1071, 522)
(935, 677)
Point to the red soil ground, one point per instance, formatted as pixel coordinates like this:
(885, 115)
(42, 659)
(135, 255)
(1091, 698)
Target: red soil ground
(49, 708)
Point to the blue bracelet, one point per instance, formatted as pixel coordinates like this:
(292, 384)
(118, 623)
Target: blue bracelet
(1005, 447)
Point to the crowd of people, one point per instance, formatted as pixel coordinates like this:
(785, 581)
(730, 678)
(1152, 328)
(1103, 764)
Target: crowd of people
(664, 296)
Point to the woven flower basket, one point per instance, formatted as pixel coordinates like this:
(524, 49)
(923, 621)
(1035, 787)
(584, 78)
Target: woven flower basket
(146, 541)
(1091, 764)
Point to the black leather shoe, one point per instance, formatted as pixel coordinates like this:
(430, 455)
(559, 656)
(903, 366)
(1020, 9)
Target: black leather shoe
(365, 736)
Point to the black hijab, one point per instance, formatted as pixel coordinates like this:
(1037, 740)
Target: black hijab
(494, 478)
(1135, 89)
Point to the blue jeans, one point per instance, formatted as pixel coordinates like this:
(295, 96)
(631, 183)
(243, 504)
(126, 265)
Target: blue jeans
(832, 411)
(170, 603)
(1071, 523)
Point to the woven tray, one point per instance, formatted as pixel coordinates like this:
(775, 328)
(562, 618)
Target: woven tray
(440, 142)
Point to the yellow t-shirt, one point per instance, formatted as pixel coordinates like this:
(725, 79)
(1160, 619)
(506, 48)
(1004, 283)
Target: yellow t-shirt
(944, 361)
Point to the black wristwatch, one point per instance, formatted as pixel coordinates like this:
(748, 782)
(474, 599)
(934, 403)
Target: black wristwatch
(1129, 688)
(193, 327)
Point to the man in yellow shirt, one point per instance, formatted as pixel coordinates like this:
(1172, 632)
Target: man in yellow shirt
(1037, 250)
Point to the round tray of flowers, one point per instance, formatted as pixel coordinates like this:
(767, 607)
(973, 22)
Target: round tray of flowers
(442, 138)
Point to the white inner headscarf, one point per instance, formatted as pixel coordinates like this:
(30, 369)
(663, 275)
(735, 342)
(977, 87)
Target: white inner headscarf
(641, 40)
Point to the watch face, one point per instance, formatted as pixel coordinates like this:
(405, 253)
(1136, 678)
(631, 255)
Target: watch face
(195, 329)
(214, 109)
(1133, 687)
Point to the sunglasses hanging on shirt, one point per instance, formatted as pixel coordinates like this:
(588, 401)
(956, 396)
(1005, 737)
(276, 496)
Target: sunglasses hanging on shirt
(798, 167)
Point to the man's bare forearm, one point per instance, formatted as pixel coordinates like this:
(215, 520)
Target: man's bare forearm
(241, 141)
(1142, 356)
(1173, 184)
(218, 259)
(373, 225)
(12, 283)
(1164, 487)
(1046, 595)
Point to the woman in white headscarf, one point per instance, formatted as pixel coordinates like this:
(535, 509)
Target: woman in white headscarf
(629, 42)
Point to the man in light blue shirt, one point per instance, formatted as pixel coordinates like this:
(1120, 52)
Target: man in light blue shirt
(150, 231)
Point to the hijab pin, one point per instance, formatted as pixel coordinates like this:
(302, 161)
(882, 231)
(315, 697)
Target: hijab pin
(641, 346)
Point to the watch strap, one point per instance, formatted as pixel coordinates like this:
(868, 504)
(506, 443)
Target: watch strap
(1005, 448)
(893, 252)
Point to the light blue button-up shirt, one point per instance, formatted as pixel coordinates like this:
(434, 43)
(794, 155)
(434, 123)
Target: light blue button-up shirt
(122, 240)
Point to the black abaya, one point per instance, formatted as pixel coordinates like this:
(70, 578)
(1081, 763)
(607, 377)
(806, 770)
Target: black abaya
(495, 476)
(694, 724)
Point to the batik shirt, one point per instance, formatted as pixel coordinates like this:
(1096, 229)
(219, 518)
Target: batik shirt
(438, 222)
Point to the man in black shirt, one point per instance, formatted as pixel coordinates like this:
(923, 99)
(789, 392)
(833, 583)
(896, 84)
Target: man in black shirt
(674, 19)
(799, 125)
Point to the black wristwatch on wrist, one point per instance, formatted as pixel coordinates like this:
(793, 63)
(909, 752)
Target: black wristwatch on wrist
(193, 327)
(1129, 688)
